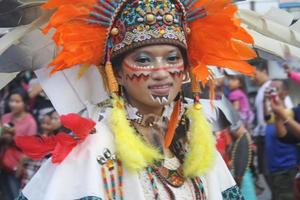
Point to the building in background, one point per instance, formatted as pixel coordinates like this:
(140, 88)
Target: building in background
(274, 63)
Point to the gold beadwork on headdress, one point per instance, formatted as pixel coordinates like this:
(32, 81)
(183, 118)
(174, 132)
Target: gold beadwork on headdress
(188, 30)
(150, 18)
(168, 18)
(114, 31)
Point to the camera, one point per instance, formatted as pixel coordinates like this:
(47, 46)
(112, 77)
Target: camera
(272, 91)
(8, 125)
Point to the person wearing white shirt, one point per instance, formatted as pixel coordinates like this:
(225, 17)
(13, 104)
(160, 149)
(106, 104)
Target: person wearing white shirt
(261, 79)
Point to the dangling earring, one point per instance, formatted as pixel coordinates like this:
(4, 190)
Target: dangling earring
(122, 91)
(186, 77)
(111, 79)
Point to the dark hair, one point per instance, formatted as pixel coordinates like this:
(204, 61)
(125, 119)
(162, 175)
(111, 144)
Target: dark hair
(284, 83)
(23, 94)
(117, 62)
(241, 79)
(260, 64)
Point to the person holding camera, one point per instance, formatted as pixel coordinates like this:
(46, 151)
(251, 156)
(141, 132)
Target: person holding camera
(282, 158)
(16, 123)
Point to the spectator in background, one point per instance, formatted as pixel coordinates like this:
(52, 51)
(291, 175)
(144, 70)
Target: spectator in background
(288, 130)
(16, 123)
(41, 103)
(287, 122)
(21, 81)
(240, 103)
(28, 166)
(24, 123)
(239, 99)
(55, 122)
(261, 79)
(282, 159)
(46, 127)
(234, 142)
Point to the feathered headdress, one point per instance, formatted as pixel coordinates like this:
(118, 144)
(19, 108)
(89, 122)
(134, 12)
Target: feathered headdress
(90, 31)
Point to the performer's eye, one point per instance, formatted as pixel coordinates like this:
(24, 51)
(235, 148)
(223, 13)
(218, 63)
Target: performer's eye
(143, 60)
(173, 58)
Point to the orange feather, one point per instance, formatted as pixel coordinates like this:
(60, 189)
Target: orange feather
(81, 42)
(172, 124)
(219, 40)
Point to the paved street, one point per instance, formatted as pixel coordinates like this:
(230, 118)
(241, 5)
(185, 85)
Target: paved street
(266, 195)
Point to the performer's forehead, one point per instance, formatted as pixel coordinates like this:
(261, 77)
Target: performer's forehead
(156, 49)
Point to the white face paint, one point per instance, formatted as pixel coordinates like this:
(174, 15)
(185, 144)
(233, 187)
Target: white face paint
(160, 99)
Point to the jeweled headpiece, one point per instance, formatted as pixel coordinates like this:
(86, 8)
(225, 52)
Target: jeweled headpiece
(147, 22)
(95, 31)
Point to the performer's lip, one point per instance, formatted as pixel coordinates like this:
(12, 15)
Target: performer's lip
(160, 89)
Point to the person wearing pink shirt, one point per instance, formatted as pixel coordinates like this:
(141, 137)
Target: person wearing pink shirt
(16, 123)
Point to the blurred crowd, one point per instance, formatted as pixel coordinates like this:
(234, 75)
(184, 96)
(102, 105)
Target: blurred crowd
(269, 117)
(272, 120)
(25, 110)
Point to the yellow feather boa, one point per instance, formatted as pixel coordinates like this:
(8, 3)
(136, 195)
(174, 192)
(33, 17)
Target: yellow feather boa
(137, 154)
(201, 151)
(130, 148)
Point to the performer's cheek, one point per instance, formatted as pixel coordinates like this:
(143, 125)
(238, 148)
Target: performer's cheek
(177, 73)
(137, 77)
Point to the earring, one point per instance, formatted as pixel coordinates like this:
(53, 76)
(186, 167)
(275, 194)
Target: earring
(186, 77)
(122, 91)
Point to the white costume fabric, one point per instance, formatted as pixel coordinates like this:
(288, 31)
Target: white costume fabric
(79, 175)
(259, 105)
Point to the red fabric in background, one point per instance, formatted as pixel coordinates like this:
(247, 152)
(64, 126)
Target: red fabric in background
(223, 144)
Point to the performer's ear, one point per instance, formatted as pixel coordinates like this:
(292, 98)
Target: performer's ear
(120, 76)
(118, 71)
(186, 77)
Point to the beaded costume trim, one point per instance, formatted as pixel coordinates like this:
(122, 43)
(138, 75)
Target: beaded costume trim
(232, 193)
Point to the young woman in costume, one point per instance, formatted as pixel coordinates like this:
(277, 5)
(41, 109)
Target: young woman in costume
(147, 141)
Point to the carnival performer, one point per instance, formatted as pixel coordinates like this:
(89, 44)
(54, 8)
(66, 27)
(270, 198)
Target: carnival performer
(147, 141)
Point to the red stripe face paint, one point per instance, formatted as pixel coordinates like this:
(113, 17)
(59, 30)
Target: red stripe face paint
(138, 73)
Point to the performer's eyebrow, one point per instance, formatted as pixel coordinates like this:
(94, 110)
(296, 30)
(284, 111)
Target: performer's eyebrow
(142, 53)
(173, 51)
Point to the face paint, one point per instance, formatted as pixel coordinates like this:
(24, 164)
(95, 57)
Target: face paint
(160, 99)
(138, 73)
(135, 77)
(177, 74)
(152, 75)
